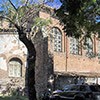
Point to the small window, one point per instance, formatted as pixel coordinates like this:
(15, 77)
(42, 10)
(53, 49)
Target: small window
(15, 68)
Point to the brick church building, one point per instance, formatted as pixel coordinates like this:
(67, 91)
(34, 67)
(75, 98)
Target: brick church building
(71, 59)
(58, 56)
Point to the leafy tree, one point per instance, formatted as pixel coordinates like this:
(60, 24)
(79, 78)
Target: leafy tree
(23, 15)
(80, 17)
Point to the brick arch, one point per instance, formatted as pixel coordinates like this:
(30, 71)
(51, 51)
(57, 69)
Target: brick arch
(16, 56)
(57, 28)
(16, 59)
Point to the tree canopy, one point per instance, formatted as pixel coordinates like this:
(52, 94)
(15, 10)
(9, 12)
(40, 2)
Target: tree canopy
(80, 17)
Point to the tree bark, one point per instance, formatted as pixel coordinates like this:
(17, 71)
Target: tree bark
(31, 58)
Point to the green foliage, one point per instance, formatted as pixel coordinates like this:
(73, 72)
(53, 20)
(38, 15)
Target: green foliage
(39, 22)
(79, 14)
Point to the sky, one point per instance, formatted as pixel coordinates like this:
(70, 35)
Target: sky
(55, 3)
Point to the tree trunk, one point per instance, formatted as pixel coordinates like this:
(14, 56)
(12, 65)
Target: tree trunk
(31, 58)
(31, 76)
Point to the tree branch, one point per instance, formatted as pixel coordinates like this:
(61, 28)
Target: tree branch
(26, 2)
(31, 13)
(10, 20)
(13, 5)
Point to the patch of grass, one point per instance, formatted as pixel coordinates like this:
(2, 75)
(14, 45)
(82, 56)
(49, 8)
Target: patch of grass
(13, 98)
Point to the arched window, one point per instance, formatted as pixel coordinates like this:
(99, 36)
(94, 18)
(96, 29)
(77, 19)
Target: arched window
(74, 49)
(15, 67)
(89, 47)
(57, 39)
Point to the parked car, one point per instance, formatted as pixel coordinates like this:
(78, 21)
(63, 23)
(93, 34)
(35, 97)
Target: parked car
(78, 92)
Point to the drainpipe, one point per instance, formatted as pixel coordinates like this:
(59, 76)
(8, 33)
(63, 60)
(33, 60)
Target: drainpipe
(66, 42)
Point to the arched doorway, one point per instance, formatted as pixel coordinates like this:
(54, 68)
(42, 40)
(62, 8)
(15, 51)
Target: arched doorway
(15, 67)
